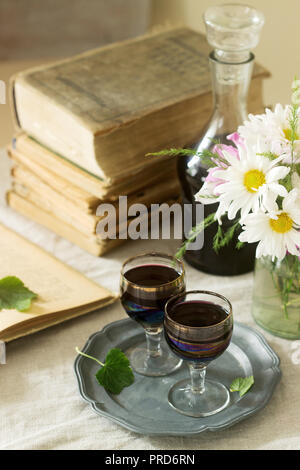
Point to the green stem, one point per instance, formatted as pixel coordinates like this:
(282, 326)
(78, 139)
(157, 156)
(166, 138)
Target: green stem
(286, 285)
(291, 302)
(195, 231)
(89, 357)
(222, 239)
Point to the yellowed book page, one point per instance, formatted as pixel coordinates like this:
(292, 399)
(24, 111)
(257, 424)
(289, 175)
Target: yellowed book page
(60, 289)
(93, 245)
(28, 148)
(79, 220)
(87, 228)
(27, 328)
(35, 156)
(83, 199)
(51, 200)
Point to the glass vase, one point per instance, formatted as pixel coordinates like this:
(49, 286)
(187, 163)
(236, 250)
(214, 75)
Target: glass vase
(276, 296)
(232, 30)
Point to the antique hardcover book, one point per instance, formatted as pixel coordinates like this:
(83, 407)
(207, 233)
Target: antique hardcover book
(93, 244)
(76, 182)
(62, 292)
(90, 243)
(105, 109)
(29, 186)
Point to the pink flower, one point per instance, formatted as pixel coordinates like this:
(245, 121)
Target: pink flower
(236, 139)
(219, 149)
(212, 179)
(224, 157)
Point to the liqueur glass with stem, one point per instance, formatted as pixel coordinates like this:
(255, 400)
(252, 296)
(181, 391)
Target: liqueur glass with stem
(198, 327)
(147, 282)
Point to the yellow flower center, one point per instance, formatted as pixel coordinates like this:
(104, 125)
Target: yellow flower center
(288, 134)
(253, 179)
(283, 224)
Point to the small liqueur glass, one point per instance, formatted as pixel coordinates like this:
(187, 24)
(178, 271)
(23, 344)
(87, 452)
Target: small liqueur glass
(198, 328)
(147, 282)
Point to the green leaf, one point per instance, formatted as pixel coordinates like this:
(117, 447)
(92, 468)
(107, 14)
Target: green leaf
(14, 294)
(242, 384)
(222, 239)
(218, 239)
(239, 245)
(205, 155)
(194, 232)
(172, 152)
(269, 155)
(116, 372)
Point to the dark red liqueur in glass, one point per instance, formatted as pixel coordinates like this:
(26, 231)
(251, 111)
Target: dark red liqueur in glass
(201, 332)
(148, 288)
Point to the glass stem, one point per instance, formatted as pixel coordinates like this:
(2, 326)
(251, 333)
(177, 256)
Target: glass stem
(197, 372)
(153, 338)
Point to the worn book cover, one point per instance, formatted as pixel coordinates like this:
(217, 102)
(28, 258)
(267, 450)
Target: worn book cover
(105, 109)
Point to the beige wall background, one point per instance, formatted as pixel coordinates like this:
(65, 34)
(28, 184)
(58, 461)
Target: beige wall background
(279, 48)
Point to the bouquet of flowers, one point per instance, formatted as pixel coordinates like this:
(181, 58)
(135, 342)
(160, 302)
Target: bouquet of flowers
(255, 180)
(259, 179)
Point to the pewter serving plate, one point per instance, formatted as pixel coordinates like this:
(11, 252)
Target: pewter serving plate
(143, 407)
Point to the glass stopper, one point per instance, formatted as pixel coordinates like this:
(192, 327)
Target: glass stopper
(233, 30)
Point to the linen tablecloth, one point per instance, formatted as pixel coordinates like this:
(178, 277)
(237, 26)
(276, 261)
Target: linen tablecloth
(40, 405)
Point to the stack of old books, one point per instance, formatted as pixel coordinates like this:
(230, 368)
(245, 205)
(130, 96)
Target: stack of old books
(86, 124)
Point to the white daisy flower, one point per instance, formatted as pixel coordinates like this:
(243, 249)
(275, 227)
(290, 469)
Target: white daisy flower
(273, 127)
(250, 183)
(277, 232)
(207, 194)
(254, 126)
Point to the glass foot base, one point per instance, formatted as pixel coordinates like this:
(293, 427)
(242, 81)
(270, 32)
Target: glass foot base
(153, 366)
(214, 399)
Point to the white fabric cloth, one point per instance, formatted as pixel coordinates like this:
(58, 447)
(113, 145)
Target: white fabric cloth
(40, 405)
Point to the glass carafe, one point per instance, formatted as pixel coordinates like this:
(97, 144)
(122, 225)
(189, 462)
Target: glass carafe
(232, 30)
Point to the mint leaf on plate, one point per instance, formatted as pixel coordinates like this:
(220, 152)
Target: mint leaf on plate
(115, 373)
(242, 384)
(14, 294)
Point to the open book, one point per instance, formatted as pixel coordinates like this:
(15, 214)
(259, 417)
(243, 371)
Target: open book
(62, 292)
